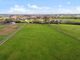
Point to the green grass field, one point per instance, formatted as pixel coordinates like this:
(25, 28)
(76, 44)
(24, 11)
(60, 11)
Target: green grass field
(72, 30)
(43, 42)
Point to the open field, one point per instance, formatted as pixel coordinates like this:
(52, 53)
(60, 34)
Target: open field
(43, 42)
(72, 20)
(72, 30)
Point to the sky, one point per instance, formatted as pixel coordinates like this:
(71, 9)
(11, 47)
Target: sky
(39, 6)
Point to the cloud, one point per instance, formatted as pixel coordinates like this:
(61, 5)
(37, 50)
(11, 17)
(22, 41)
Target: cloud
(65, 11)
(75, 10)
(37, 7)
(60, 6)
(68, 2)
(17, 9)
(34, 9)
(78, 8)
(33, 6)
(31, 9)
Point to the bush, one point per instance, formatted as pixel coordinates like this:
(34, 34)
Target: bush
(18, 21)
(70, 22)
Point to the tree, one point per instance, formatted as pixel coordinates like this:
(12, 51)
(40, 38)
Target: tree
(46, 19)
(8, 20)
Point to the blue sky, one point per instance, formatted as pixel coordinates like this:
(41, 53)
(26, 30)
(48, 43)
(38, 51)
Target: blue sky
(39, 6)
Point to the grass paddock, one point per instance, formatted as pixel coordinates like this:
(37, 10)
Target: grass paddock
(41, 42)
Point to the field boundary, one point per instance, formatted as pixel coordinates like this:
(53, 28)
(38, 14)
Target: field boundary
(7, 38)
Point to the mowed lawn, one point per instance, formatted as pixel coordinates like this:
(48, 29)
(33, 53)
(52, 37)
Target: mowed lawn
(40, 42)
(71, 30)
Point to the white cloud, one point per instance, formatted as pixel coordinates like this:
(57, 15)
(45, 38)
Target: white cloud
(33, 6)
(78, 8)
(17, 9)
(68, 2)
(37, 7)
(60, 6)
(31, 9)
(63, 10)
(75, 10)
(34, 9)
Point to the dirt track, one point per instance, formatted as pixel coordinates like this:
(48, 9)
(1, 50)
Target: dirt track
(8, 29)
